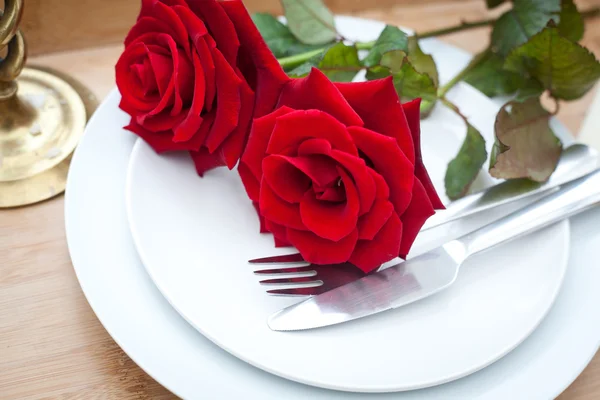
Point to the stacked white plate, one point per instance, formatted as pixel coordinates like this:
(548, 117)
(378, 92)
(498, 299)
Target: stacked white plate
(161, 256)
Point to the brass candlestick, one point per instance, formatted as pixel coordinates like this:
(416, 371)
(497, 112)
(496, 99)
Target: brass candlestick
(42, 117)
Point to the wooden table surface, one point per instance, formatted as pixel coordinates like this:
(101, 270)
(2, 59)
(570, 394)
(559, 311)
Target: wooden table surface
(51, 343)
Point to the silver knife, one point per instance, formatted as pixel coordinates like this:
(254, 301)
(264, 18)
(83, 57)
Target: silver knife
(431, 272)
(576, 161)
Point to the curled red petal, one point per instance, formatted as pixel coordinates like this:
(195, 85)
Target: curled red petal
(273, 208)
(233, 145)
(316, 250)
(382, 190)
(314, 146)
(415, 216)
(251, 183)
(197, 31)
(132, 98)
(370, 254)
(390, 162)
(205, 160)
(193, 120)
(359, 171)
(316, 91)
(279, 233)
(258, 140)
(228, 102)
(371, 223)
(333, 221)
(285, 178)
(220, 26)
(161, 142)
(258, 64)
(293, 128)
(412, 110)
(378, 105)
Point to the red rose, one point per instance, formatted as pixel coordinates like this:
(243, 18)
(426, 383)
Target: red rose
(193, 75)
(336, 172)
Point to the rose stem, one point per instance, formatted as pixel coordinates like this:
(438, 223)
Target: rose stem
(298, 59)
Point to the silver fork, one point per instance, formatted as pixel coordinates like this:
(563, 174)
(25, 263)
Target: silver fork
(306, 280)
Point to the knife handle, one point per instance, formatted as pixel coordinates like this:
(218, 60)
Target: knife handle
(573, 197)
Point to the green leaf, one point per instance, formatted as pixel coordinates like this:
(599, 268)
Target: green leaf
(531, 88)
(571, 22)
(391, 38)
(465, 167)
(563, 67)
(279, 38)
(525, 19)
(424, 63)
(494, 3)
(340, 63)
(409, 83)
(525, 145)
(490, 77)
(310, 21)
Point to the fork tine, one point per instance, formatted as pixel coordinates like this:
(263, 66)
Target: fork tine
(305, 271)
(287, 258)
(296, 292)
(293, 281)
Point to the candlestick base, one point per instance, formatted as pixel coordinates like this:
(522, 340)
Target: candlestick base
(39, 129)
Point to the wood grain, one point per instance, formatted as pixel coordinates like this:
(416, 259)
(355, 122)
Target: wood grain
(57, 25)
(51, 343)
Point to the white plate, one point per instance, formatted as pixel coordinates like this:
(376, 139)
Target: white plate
(195, 235)
(164, 345)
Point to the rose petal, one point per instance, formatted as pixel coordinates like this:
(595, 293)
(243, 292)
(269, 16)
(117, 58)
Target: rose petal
(228, 102)
(262, 221)
(193, 120)
(359, 171)
(316, 91)
(372, 222)
(162, 68)
(256, 61)
(136, 53)
(176, 29)
(390, 162)
(279, 233)
(197, 30)
(413, 219)
(370, 254)
(286, 180)
(314, 146)
(412, 111)
(330, 220)
(382, 190)
(295, 127)
(233, 145)
(205, 160)
(260, 134)
(378, 105)
(161, 142)
(220, 26)
(273, 208)
(317, 250)
(251, 183)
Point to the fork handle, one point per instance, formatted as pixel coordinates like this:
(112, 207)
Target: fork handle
(573, 197)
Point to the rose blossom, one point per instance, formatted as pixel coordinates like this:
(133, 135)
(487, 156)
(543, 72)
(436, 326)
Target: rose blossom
(193, 75)
(336, 171)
